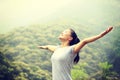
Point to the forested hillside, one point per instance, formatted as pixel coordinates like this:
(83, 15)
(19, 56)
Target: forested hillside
(20, 59)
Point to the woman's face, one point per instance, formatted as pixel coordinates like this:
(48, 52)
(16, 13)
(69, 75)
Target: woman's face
(65, 35)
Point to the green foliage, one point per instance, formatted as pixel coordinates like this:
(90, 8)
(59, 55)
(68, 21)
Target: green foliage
(7, 71)
(79, 72)
(114, 51)
(105, 66)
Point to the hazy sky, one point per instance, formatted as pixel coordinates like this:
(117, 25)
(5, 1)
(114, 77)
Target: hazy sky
(15, 13)
(24, 12)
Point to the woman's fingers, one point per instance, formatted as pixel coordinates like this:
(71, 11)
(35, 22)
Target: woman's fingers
(106, 31)
(39, 47)
(109, 29)
(42, 47)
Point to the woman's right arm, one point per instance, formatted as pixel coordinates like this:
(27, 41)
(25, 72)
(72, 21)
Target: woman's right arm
(48, 47)
(82, 43)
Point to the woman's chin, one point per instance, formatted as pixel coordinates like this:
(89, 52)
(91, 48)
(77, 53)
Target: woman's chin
(60, 37)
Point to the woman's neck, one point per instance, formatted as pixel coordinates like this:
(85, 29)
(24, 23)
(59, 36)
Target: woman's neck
(64, 44)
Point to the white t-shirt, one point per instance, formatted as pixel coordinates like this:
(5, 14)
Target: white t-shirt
(62, 62)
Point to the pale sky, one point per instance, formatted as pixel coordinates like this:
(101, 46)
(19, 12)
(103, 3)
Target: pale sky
(28, 11)
(15, 13)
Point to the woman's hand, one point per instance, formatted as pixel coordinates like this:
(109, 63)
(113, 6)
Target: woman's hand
(48, 47)
(106, 31)
(43, 47)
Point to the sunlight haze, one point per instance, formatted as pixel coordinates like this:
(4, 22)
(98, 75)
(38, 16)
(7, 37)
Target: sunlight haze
(16, 13)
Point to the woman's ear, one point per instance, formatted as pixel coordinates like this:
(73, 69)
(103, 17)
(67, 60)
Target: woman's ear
(70, 38)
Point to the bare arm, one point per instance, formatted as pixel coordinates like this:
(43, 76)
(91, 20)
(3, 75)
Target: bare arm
(90, 39)
(48, 47)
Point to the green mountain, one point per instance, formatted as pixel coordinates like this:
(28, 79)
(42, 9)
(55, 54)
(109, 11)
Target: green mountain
(24, 61)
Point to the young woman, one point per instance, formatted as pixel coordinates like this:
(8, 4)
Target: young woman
(67, 53)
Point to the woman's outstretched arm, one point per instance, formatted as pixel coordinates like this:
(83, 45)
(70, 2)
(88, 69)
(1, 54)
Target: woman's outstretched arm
(90, 39)
(48, 47)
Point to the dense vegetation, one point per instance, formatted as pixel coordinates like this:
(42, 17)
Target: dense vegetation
(20, 59)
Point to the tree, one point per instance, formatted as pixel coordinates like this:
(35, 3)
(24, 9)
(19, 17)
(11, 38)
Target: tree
(113, 53)
(7, 71)
(105, 68)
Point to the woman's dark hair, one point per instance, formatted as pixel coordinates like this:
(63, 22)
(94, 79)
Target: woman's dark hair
(75, 40)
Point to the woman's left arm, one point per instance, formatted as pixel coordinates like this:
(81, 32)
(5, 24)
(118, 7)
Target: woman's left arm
(81, 44)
